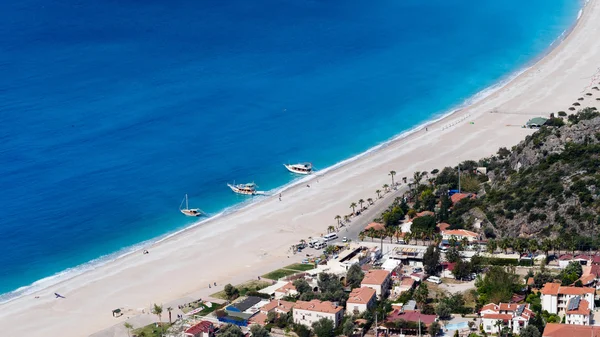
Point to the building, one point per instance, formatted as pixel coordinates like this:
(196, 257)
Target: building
(514, 316)
(459, 234)
(360, 300)
(201, 329)
(578, 311)
(376, 226)
(405, 284)
(456, 197)
(378, 280)
(287, 290)
(536, 122)
(556, 297)
(276, 306)
(568, 330)
(307, 313)
(409, 316)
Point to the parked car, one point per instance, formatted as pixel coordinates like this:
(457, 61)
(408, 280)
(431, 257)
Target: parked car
(417, 270)
(344, 239)
(434, 279)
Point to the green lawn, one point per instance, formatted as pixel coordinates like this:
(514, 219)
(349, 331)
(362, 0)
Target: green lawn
(279, 273)
(243, 288)
(300, 266)
(151, 330)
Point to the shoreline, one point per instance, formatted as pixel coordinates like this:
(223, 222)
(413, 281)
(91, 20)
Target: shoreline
(447, 114)
(314, 207)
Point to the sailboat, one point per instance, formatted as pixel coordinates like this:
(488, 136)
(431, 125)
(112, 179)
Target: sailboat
(187, 211)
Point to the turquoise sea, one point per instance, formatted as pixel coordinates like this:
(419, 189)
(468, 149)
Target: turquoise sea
(110, 111)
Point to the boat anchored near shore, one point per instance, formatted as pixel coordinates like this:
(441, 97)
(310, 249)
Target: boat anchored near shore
(189, 211)
(301, 168)
(247, 189)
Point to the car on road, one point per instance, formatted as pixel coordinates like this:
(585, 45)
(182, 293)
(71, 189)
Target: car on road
(417, 270)
(344, 239)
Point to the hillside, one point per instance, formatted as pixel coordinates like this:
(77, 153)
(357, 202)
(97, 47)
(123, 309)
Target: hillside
(548, 186)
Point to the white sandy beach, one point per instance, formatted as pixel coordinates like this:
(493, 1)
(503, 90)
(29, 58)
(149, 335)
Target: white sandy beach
(256, 240)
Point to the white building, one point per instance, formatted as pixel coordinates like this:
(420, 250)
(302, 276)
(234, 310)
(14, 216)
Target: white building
(578, 311)
(555, 297)
(459, 234)
(378, 280)
(307, 313)
(360, 300)
(287, 290)
(514, 316)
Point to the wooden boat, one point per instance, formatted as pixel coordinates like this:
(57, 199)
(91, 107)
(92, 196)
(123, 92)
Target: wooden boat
(189, 211)
(247, 189)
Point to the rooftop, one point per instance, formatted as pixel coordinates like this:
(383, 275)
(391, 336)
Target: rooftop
(443, 226)
(570, 330)
(203, 326)
(318, 306)
(582, 306)
(411, 316)
(361, 295)
(246, 303)
(375, 276)
(376, 226)
(556, 288)
(287, 287)
(460, 232)
(284, 306)
(504, 317)
(456, 197)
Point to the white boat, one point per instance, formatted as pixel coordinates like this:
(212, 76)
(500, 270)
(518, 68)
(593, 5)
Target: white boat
(189, 211)
(302, 168)
(248, 189)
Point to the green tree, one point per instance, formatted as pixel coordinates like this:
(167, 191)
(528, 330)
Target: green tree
(301, 330)
(571, 273)
(530, 331)
(230, 330)
(428, 199)
(348, 328)
(361, 202)
(421, 294)
(157, 310)
(434, 329)
(443, 311)
(378, 192)
(354, 276)
(302, 286)
(498, 285)
(353, 206)
(323, 328)
(129, 327)
(392, 173)
(423, 224)
(259, 331)
(452, 255)
(431, 260)
(445, 204)
(231, 292)
(461, 269)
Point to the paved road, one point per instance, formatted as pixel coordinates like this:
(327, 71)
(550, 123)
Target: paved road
(358, 223)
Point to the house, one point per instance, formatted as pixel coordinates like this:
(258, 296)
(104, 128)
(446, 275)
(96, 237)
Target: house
(409, 316)
(406, 284)
(459, 234)
(456, 197)
(512, 315)
(578, 311)
(360, 300)
(555, 297)
(564, 260)
(201, 329)
(307, 313)
(568, 330)
(378, 280)
(277, 306)
(442, 226)
(287, 290)
(447, 268)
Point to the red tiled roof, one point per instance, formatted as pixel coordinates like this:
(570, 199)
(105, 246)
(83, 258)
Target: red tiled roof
(286, 287)
(456, 197)
(508, 306)
(284, 306)
(375, 277)
(361, 295)
(318, 306)
(550, 289)
(530, 281)
(411, 316)
(260, 318)
(570, 330)
(376, 226)
(596, 259)
(587, 279)
(566, 257)
(407, 281)
(203, 326)
(556, 288)
(583, 309)
(504, 317)
(448, 265)
(489, 306)
(459, 232)
(424, 213)
(443, 226)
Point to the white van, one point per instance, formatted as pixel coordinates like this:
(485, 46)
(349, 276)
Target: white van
(330, 236)
(434, 279)
(320, 244)
(313, 242)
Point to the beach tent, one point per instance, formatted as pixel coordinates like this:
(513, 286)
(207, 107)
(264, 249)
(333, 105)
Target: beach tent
(536, 122)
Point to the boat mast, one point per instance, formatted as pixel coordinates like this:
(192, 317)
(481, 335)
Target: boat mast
(186, 202)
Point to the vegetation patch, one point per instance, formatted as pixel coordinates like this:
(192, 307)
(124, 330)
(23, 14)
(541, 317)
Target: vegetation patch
(279, 273)
(300, 267)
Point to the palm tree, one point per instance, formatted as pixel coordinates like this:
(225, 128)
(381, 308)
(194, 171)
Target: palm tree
(361, 202)
(438, 239)
(157, 310)
(378, 194)
(465, 242)
(393, 173)
(503, 244)
(338, 218)
(370, 201)
(129, 327)
(330, 229)
(389, 232)
(546, 246)
(398, 233)
(491, 246)
(385, 187)
(417, 176)
(407, 237)
(361, 236)
(353, 206)
(371, 233)
(169, 309)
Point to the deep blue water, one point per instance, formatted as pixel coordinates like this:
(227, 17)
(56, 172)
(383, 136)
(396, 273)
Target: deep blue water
(111, 110)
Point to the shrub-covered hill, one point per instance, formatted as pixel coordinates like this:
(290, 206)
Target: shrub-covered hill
(548, 186)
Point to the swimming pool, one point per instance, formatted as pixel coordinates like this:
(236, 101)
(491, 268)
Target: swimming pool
(457, 326)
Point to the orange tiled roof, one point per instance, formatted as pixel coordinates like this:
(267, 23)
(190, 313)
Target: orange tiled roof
(456, 197)
(376, 226)
(570, 330)
(583, 309)
(361, 295)
(550, 289)
(504, 317)
(318, 306)
(530, 281)
(508, 306)
(489, 306)
(260, 318)
(286, 287)
(587, 279)
(460, 232)
(375, 277)
(443, 226)
(556, 288)
(284, 306)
